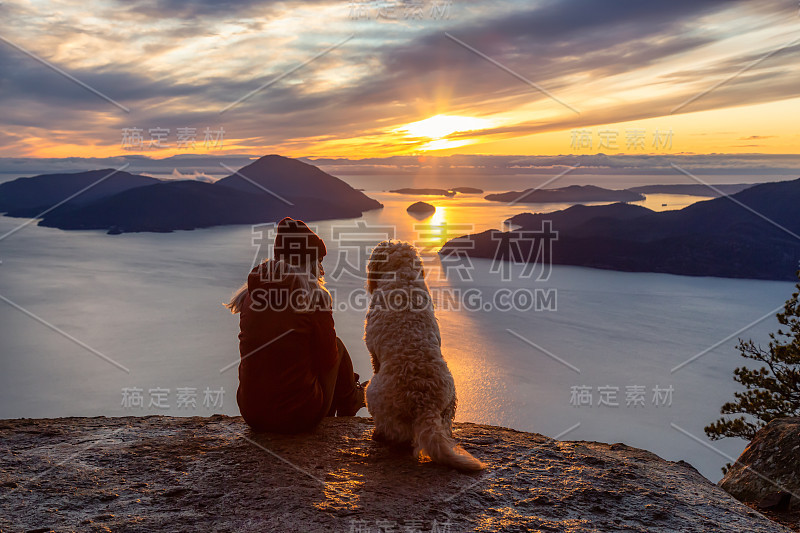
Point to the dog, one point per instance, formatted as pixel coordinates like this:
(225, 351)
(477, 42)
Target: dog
(412, 395)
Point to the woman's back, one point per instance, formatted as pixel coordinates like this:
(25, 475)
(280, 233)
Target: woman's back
(287, 341)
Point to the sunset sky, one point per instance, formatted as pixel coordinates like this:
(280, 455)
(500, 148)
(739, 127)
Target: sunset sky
(381, 78)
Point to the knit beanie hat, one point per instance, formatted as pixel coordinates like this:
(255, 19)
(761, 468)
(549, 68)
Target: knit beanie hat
(296, 240)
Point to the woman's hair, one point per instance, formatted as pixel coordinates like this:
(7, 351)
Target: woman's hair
(237, 299)
(303, 276)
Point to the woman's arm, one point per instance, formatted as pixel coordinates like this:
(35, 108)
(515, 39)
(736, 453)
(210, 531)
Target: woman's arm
(324, 340)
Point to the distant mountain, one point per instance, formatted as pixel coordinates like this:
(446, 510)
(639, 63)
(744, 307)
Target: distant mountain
(571, 194)
(716, 237)
(168, 206)
(693, 189)
(30, 196)
(579, 214)
(274, 187)
(290, 178)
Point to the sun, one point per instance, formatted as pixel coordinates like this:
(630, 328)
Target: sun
(440, 126)
(437, 127)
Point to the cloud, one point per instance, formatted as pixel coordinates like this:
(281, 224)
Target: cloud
(178, 64)
(208, 168)
(195, 8)
(195, 175)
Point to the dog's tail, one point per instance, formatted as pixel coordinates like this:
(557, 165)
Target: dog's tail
(432, 439)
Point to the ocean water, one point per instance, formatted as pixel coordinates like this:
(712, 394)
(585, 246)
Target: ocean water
(88, 322)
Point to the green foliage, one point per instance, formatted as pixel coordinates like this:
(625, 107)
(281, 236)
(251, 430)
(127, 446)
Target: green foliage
(772, 391)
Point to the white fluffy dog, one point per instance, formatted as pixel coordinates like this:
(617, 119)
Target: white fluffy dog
(412, 396)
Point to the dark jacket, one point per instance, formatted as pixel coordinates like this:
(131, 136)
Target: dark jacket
(283, 354)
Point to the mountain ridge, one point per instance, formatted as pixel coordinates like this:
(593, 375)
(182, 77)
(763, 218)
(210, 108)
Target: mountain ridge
(41, 192)
(568, 194)
(753, 234)
(272, 187)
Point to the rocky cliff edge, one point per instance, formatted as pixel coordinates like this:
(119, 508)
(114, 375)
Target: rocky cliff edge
(213, 474)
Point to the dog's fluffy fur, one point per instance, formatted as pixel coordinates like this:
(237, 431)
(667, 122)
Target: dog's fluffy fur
(412, 396)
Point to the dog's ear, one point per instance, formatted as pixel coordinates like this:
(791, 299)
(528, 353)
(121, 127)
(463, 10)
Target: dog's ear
(377, 264)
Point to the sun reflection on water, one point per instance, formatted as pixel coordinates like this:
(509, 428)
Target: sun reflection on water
(440, 216)
(434, 232)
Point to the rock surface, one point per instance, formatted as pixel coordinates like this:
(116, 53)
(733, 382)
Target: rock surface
(213, 474)
(770, 464)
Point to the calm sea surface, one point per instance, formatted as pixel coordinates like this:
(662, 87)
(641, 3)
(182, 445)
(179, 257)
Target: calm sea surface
(89, 320)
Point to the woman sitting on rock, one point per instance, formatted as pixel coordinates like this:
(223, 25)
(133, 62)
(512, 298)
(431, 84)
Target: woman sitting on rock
(294, 370)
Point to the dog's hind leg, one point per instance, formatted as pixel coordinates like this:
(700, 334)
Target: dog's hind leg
(390, 437)
(392, 432)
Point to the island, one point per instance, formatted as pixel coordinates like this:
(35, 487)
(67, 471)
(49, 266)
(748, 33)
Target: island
(570, 194)
(266, 190)
(693, 189)
(578, 215)
(421, 208)
(753, 234)
(438, 192)
(425, 192)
